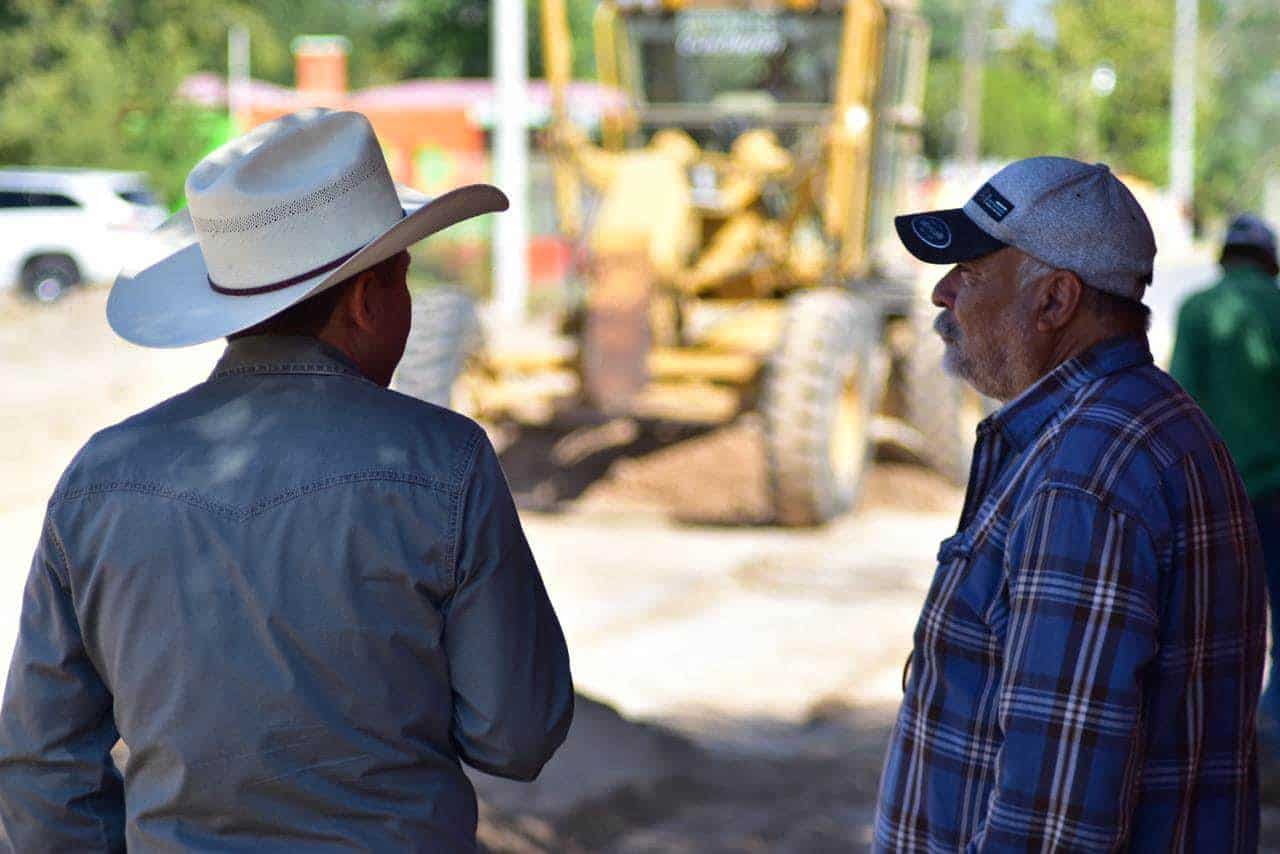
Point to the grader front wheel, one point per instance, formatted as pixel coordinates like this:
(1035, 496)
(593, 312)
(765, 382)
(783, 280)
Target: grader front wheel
(944, 409)
(822, 387)
(445, 333)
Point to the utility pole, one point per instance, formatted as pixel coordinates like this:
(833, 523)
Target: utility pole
(1183, 134)
(511, 157)
(975, 60)
(238, 76)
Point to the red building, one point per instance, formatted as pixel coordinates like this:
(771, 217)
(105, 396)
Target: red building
(435, 133)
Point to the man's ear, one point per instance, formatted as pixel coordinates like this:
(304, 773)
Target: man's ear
(1058, 300)
(362, 306)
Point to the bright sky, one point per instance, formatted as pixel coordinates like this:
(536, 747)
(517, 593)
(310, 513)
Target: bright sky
(1031, 14)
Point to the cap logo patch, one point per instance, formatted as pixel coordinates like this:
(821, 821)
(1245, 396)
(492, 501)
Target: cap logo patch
(933, 231)
(990, 200)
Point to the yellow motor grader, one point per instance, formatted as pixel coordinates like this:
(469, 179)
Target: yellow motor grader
(736, 226)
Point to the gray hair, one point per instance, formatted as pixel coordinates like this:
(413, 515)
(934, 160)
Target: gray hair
(1106, 306)
(1031, 269)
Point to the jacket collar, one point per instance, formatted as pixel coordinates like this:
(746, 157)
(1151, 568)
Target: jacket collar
(1248, 278)
(1022, 419)
(282, 354)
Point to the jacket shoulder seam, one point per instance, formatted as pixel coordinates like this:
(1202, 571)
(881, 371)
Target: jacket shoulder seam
(468, 460)
(243, 512)
(61, 548)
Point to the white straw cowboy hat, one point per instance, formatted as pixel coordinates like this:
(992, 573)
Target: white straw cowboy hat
(280, 214)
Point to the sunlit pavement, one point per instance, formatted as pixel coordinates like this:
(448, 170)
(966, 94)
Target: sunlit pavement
(689, 624)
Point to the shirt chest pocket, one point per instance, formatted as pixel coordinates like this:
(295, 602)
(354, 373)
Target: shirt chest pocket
(968, 588)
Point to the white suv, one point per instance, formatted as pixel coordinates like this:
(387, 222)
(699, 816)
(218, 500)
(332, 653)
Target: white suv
(59, 227)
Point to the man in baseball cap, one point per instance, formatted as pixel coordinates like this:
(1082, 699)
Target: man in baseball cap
(1086, 667)
(1227, 356)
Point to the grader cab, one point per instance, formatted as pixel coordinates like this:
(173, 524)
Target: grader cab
(736, 230)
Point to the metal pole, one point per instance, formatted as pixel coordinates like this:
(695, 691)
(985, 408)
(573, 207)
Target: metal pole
(1183, 136)
(511, 158)
(975, 60)
(238, 76)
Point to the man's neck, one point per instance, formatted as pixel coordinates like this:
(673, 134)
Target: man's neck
(1078, 341)
(349, 346)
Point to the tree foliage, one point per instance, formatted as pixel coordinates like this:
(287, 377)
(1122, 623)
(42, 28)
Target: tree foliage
(92, 82)
(1238, 135)
(1038, 97)
(450, 38)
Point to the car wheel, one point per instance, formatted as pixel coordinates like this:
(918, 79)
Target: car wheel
(48, 278)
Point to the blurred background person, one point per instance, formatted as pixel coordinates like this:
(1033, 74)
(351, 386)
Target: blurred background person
(1227, 356)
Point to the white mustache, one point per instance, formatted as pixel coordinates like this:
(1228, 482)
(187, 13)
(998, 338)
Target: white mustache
(946, 327)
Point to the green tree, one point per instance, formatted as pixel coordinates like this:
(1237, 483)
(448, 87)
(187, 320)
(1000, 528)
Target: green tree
(943, 77)
(1022, 110)
(450, 38)
(1130, 127)
(94, 82)
(1238, 126)
(1039, 97)
(279, 21)
(91, 83)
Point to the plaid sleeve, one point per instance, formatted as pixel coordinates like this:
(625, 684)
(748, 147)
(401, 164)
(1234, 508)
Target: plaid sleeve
(1082, 624)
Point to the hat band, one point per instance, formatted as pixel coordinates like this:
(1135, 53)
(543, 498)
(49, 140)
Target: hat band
(283, 283)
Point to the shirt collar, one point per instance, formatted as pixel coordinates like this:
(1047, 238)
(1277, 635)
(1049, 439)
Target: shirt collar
(1022, 418)
(1249, 278)
(282, 354)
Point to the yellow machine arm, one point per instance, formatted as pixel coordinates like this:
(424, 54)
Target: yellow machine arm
(558, 53)
(849, 165)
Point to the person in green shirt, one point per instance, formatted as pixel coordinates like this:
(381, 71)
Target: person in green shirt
(1227, 356)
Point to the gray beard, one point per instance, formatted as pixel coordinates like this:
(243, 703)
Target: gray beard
(994, 373)
(953, 361)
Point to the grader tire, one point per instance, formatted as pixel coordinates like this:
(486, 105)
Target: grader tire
(821, 390)
(445, 334)
(945, 410)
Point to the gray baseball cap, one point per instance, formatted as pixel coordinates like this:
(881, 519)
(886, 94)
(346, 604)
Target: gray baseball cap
(1070, 215)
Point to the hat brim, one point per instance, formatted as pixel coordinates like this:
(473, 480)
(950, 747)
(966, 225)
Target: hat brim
(945, 237)
(166, 300)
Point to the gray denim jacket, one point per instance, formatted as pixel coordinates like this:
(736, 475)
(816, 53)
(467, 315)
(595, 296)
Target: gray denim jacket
(300, 599)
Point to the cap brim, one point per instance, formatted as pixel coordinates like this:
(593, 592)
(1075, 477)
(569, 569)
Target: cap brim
(945, 237)
(166, 300)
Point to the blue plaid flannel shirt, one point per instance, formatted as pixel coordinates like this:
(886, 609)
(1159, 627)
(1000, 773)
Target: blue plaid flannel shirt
(1086, 669)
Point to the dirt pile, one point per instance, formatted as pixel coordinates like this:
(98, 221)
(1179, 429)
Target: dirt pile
(693, 475)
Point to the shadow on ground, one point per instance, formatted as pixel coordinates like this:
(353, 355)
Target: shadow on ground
(754, 785)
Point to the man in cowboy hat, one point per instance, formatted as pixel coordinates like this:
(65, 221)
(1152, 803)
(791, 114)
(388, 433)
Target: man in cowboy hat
(1086, 666)
(1227, 356)
(298, 598)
